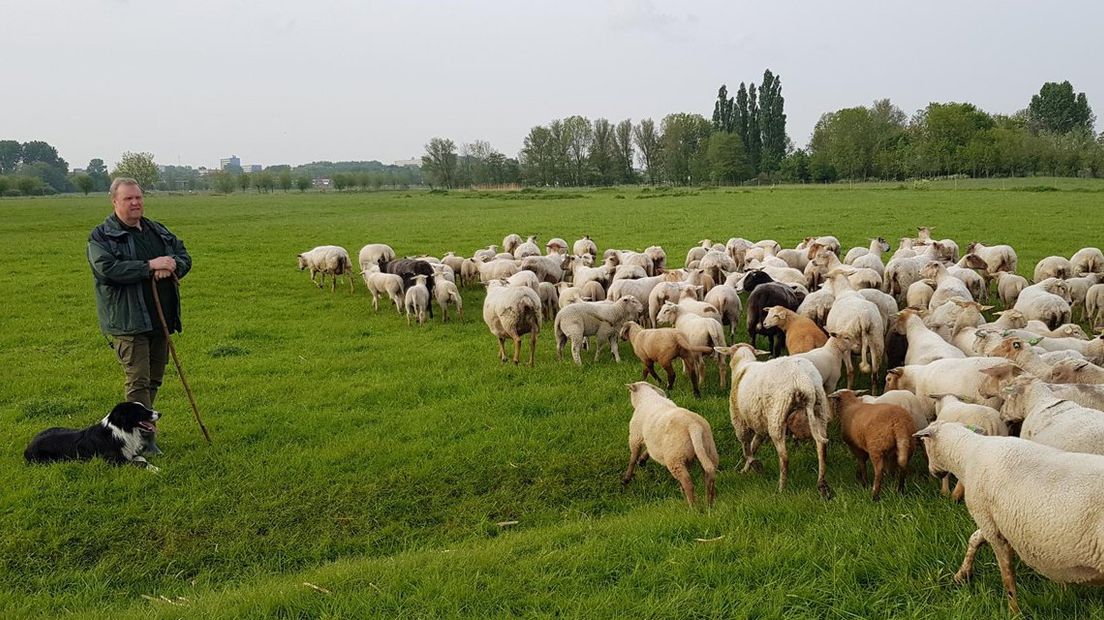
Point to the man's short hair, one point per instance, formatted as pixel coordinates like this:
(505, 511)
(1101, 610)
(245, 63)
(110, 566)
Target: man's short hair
(117, 181)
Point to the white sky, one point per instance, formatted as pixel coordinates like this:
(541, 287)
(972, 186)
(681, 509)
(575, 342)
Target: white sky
(292, 82)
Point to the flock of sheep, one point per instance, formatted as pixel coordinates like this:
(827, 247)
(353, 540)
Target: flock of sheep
(957, 381)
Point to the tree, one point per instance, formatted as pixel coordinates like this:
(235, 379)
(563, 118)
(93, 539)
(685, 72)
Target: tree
(943, 130)
(647, 139)
(263, 181)
(98, 171)
(439, 162)
(245, 180)
(795, 167)
(600, 159)
(684, 148)
(39, 151)
(1056, 109)
(284, 179)
(224, 182)
(83, 182)
(772, 121)
(577, 137)
(538, 157)
(28, 185)
(740, 114)
(623, 152)
(11, 153)
(138, 166)
(303, 183)
(753, 141)
(727, 158)
(724, 117)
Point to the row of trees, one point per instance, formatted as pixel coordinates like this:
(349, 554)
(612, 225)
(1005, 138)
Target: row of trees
(476, 164)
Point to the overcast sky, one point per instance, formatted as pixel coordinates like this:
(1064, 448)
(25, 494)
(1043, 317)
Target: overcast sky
(293, 82)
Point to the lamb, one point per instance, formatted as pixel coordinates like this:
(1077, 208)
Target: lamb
(510, 243)
(924, 345)
(1087, 260)
(372, 253)
(877, 248)
(593, 291)
(1009, 286)
(417, 299)
(1084, 394)
(603, 320)
(906, 400)
(549, 268)
(524, 278)
(1046, 301)
(996, 257)
(765, 395)
(1094, 304)
(949, 376)
(550, 300)
(497, 269)
(569, 294)
(688, 300)
(829, 360)
(765, 292)
(584, 246)
(878, 431)
(1079, 290)
(388, 284)
(1053, 267)
(672, 436)
(919, 294)
(407, 268)
(699, 331)
(859, 320)
(1069, 330)
(1049, 420)
(802, 334)
(329, 260)
(900, 273)
(658, 257)
(512, 312)
(1032, 500)
(529, 248)
(817, 304)
(663, 346)
(485, 254)
(987, 420)
(447, 293)
(725, 299)
(947, 286)
(555, 245)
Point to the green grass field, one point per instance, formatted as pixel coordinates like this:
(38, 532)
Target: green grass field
(383, 463)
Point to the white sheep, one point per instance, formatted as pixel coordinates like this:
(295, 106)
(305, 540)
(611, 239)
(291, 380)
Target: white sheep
(919, 294)
(1009, 286)
(1069, 330)
(602, 320)
(1053, 267)
(861, 322)
(699, 330)
(556, 246)
(1086, 395)
(672, 436)
(688, 300)
(332, 260)
(549, 268)
(951, 408)
(639, 288)
(512, 312)
(947, 286)
(1094, 304)
(373, 254)
(996, 257)
(906, 400)
(569, 294)
(529, 248)
(1087, 260)
(1050, 420)
(388, 284)
(924, 345)
(658, 256)
(486, 254)
(416, 300)
(497, 269)
(447, 293)
(1047, 301)
(510, 243)
(877, 248)
(550, 299)
(725, 299)
(524, 278)
(829, 360)
(765, 395)
(948, 376)
(584, 246)
(1079, 289)
(1027, 499)
(901, 272)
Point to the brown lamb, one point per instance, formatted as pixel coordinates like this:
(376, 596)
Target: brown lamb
(877, 431)
(802, 333)
(664, 346)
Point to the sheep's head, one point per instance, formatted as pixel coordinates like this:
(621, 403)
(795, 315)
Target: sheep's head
(1072, 330)
(1014, 393)
(1013, 318)
(931, 270)
(669, 313)
(895, 379)
(628, 329)
(929, 438)
(302, 262)
(776, 317)
(996, 377)
(632, 306)
(973, 261)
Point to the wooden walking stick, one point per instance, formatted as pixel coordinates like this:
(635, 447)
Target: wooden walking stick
(172, 349)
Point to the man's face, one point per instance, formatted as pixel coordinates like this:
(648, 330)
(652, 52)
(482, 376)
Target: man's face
(128, 204)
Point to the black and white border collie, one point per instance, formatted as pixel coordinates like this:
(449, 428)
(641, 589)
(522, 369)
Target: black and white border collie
(117, 438)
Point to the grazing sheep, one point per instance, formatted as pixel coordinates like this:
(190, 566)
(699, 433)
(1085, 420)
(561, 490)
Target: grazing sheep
(407, 268)
(446, 293)
(469, 271)
(1079, 290)
(699, 331)
(900, 273)
(877, 248)
(1047, 301)
(817, 304)
(764, 293)
(906, 400)
(765, 395)
(549, 268)
(725, 299)
(550, 300)
(603, 320)
(1084, 394)
(512, 312)
(1049, 420)
(1087, 260)
(1009, 286)
(510, 243)
(951, 408)
(584, 246)
(1052, 267)
(672, 436)
(593, 291)
(802, 334)
(947, 286)
(919, 294)
(1094, 304)
(658, 257)
(949, 376)
(416, 300)
(371, 254)
(569, 294)
(924, 345)
(688, 300)
(737, 248)
(555, 245)
(456, 263)
(329, 260)
(524, 278)
(497, 269)
(388, 284)
(1027, 499)
(529, 248)
(880, 432)
(663, 346)
(1069, 330)
(829, 360)
(996, 257)
(861, 321)
(486, 254)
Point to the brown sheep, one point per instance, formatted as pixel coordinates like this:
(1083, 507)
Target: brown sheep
(878, 432)
(802, 333)
(663, 346)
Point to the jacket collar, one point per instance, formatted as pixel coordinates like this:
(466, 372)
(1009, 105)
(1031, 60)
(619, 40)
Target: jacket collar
(113, 227)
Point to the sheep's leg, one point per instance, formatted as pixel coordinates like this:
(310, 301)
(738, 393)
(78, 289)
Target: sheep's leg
(710, 485)
(849, 364)
(683, 476)
(879, 471)
(959, 492)
(977, 539)
(750, 443)
(945, 486)
(1004, 554)
(576, 345)
(517, 348)
(502, 349)
(783, 462)
(860, 467)
(333, 282)
(615, 348)
(902, 470)
(634, 457)
(822, 469)
(532, 346)
(722, 369)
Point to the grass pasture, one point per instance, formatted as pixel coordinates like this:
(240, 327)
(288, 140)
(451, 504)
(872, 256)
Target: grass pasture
(386, 465)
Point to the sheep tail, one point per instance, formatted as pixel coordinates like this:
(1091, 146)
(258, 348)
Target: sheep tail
(818, 424)
(904, 449)
(704, 448)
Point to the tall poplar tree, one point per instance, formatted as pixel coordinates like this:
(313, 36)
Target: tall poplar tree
(753, 140)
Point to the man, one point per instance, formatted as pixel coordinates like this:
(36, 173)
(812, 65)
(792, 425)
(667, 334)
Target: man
(129, 254)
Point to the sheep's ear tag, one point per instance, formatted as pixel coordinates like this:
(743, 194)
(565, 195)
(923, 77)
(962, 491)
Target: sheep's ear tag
(1034, 341)
(975, 429)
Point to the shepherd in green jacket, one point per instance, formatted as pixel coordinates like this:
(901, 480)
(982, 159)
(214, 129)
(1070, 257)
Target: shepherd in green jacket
(129, 254)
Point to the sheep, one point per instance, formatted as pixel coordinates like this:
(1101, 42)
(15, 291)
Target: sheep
(639, 288)
(549, 268)
(524, 278)
(1046, 301)
(765, 292)
(950, 408)
(372, 253)
(1091, 350)
(696, 253)
(550, 300)
(329, 260)
(663, 346)
(672, 436)
(497, 269)
(1069, 330)
(715, 263)
(737, 248)
(388, 284)
(658, 257)
(947, 286)
(765, 395)
(1087, 260)
(661, 293)
(1052, 267)
(906, 400)
(1027, 499)
(877, 248)
(795, 259)
(407, 268)
(593, 291)
(603, 320)
(1073, 371)
(699, 331)
(817, 304)
(510, 243)
(1049, 420)
(1009, 286)
(900, 273)
(688, 300)
(829, 359)
(581, 274)
(1094, 304)
(878, 431)
(529, 248)
(861, 321)
(802, 334)
(965, 270)
(447, 293)
(443, 272)
(569, 294)
(1084, 394)
(629, 272)
(416, 299)
(1079, 290)
(725, 299)
(919, 294)
(584, 246)
(949, 376)
(924, 345)
(996, 257)
(556, 246)
(512, 312)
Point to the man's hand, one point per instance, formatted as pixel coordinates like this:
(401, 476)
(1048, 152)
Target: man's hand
(161, 274)
(162, 263)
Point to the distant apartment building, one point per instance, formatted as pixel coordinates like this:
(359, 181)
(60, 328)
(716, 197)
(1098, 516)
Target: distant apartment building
(252, 168)
(410, 163)
(230, 163)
